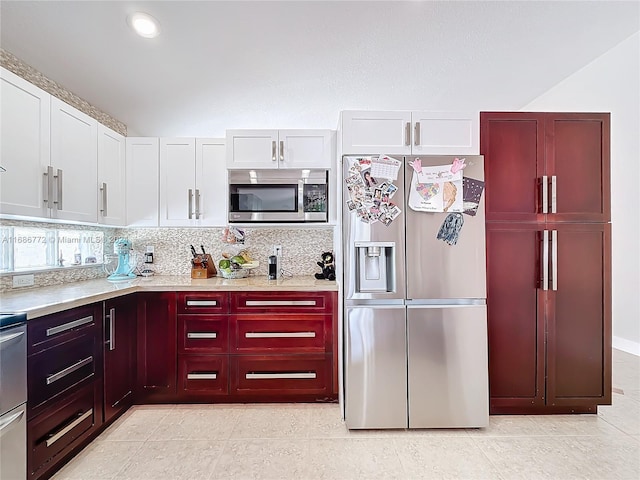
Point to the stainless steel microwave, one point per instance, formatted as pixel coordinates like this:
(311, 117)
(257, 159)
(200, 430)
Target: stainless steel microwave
(282, 195)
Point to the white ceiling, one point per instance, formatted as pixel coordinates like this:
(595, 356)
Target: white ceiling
(219, 65)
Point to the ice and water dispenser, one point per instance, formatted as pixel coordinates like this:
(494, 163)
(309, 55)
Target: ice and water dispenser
(375, 267)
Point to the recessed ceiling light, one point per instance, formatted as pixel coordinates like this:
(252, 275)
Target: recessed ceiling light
(144, 25)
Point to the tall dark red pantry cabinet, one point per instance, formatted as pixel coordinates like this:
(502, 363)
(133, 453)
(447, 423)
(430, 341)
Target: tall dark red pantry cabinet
(548, 215)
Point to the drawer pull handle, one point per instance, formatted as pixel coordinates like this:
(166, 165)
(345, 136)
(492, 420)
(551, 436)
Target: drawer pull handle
(263, 376)
(70, 369)
(271, 303)
(202, 376)
(280, 335)
(57, 436)
(68, 326)
(202, 335)
(202, 303)
(9, 337)
(5, 424)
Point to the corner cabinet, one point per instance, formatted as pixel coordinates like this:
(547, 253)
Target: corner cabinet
(548, 261)
(266, 149)
(142, 181)
(193, 182)
(410, 133)
(111, 177)
(156, 352)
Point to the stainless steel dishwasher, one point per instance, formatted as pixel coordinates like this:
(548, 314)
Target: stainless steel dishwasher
(13, 396)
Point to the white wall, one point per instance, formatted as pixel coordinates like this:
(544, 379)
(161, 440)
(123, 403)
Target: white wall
(611, 83)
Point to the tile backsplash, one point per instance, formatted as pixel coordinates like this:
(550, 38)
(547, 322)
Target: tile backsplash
(301, 249)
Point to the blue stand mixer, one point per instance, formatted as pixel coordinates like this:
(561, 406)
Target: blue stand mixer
(126, 261)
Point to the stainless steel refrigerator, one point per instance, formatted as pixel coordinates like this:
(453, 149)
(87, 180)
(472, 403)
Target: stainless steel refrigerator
(415, 305)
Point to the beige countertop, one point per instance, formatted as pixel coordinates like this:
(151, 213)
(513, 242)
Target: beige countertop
(37, 302)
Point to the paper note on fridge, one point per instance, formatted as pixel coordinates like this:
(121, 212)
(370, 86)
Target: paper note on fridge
(436, 189)
(385, 167)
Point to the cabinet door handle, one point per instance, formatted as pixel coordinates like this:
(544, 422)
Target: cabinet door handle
(554, 259)
(197, 203)
(280, 335)
(58, 178)
(416, 136)
(272, 376)
(7, 422)
(202, 303)
(553, 194)
(190, 193)
(281, 150)
(407, 134)
(49, 187)
(9, 337)
(112, 328)
(202, 335)
(202, 376)
(545, 260)
(61, 433)
(270, 303)
(68, 326)
(54, 377)
(103, 189)
(544, 194)
(273, 151)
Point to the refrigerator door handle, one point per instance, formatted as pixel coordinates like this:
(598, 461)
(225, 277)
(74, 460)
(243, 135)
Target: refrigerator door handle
(545, 194)
(554, 260)
(545, 260)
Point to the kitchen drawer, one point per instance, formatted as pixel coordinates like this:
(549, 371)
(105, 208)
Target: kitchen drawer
(58, 430)
(52, 330)
(203, 333)
(280, 374)
(203, 302)
(281, 302)
(55, 370)
(285, 334)
(203, 374)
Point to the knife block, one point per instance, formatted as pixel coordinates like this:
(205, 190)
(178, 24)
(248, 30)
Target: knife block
(198, 268)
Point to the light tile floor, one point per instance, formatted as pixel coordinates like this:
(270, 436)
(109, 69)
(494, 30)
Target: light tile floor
(309, 441)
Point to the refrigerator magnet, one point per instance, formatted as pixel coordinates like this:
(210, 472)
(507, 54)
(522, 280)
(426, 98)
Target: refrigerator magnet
(450, 229)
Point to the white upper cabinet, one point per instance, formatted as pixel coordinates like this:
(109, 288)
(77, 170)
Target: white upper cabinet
(410, 133)
(111, 177)
(142, 180)
(263, 149)
(211, 182)
(193, 182)
(24, 146)
(74, 158)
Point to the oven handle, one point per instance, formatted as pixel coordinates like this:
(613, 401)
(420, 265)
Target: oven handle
(10, 336)
(6, 424)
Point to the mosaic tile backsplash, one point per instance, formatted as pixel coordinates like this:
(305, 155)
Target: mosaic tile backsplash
(301, 249)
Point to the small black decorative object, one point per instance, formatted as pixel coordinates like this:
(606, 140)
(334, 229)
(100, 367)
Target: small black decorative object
(328, 269)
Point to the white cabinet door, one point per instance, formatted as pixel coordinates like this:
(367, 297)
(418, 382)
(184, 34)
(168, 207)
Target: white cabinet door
(211, 182)
(306, 148)
(252, 149)
(74, 157)
(111, 177)
(24, 146)
(370, 133)
(142, 197)
(446, 133)
(177, 181)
